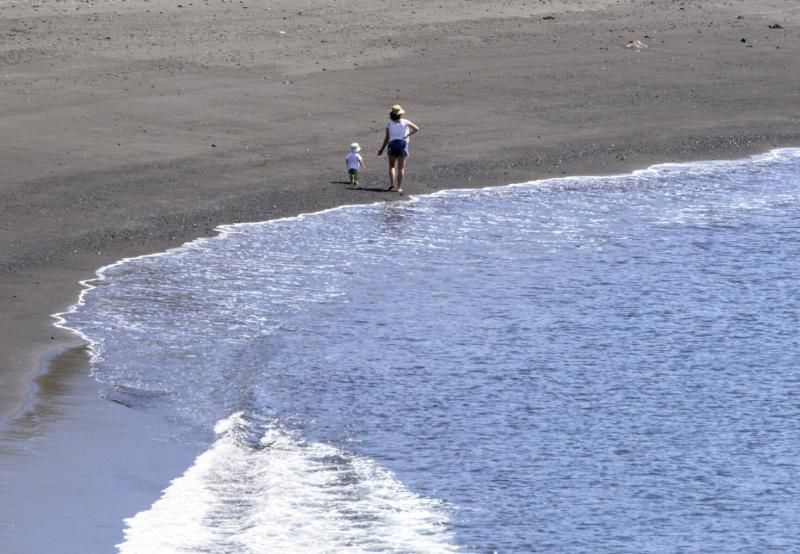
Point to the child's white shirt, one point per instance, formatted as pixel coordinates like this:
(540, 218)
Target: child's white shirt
(354, 160)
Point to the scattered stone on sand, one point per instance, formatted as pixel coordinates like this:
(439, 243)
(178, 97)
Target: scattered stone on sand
(636, 45)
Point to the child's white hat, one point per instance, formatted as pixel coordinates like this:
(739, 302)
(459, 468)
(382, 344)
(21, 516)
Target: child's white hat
(355, 147)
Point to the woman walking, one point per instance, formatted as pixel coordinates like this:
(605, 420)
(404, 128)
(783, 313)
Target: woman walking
(398, 131)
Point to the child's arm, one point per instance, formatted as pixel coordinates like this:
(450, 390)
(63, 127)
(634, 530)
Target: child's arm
(361, 162)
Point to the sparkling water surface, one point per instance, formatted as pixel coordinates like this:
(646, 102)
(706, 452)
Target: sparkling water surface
(573, 365)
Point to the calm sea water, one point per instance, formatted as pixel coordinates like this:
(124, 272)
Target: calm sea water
(574, 365)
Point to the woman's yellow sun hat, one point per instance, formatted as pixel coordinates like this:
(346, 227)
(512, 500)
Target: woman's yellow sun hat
(397, 109)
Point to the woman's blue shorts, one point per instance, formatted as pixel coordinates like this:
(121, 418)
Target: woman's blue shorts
(398, 147)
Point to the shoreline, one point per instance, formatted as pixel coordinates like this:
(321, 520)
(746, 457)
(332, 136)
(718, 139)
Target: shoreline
(47, 354)
(116, 147)
(76, 449)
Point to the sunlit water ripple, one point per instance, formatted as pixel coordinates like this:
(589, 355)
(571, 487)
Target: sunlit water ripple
(574, 365)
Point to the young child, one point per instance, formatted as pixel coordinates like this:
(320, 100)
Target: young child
(354, 164)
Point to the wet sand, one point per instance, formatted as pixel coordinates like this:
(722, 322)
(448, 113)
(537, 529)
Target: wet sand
(129, 127)
(74, 465)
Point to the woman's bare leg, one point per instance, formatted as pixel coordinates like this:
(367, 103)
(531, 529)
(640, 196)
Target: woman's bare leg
(392, 171)
(401, 170)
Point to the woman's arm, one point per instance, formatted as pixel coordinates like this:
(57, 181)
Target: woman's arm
(413, 129)
(385, 142)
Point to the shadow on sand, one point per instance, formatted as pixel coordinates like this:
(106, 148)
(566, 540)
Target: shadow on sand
(361, 187)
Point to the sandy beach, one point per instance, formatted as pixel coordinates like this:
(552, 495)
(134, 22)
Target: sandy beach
(129, 127)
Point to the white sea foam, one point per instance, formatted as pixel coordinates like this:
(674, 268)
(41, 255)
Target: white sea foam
(282, 494)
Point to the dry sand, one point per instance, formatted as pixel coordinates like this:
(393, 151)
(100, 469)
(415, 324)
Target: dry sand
(127, 126)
